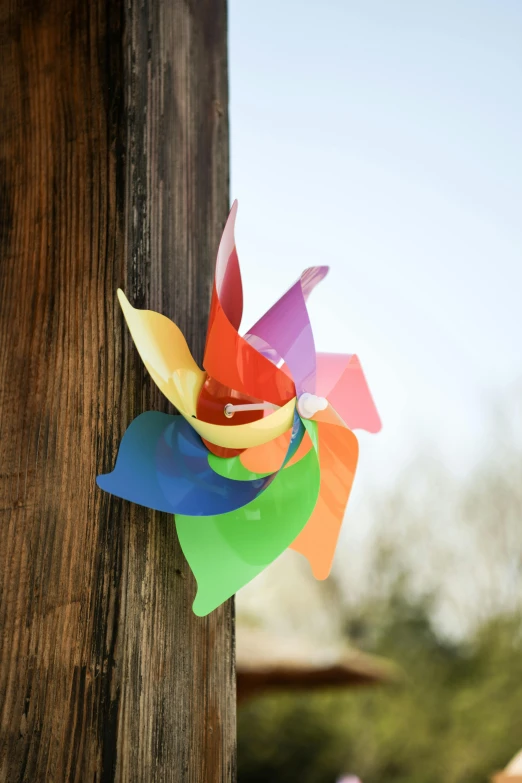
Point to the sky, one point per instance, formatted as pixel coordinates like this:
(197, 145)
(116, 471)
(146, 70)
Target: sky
(384, 139)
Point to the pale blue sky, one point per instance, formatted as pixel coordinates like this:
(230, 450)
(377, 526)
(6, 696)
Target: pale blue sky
(384, 139)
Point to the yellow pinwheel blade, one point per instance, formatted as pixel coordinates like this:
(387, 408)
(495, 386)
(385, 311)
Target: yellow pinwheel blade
(167, 357)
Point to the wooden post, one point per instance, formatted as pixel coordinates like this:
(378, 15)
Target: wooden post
(113, 172)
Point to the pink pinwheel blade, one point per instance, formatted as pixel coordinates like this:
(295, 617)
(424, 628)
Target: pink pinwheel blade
(341, 380)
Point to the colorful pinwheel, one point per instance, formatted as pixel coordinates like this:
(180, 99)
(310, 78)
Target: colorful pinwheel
(262, 456)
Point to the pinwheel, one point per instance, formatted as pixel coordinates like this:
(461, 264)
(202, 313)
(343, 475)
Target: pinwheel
(262, 455)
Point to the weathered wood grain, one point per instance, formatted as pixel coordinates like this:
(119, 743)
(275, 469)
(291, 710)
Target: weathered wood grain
(113, 172)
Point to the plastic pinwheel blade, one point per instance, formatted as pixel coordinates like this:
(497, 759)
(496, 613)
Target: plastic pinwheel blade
(338, 455)
(340, 378)
(285, 331)
(227, 551)
(229, 358)
(163, 464)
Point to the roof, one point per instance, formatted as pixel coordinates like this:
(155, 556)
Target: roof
(271, 662)
(512, 773)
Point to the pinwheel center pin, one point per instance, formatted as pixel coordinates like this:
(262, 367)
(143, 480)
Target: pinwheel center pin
(230, 408)
(309, 404)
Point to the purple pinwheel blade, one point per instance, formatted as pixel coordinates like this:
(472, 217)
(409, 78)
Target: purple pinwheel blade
(285, 332)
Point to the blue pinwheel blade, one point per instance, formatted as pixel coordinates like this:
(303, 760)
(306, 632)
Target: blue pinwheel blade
(163, 464)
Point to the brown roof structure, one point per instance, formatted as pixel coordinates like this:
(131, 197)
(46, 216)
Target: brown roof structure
(268, 662)
(512, 773)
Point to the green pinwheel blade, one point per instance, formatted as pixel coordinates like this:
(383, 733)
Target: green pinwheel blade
(232, 468)
(227, 551)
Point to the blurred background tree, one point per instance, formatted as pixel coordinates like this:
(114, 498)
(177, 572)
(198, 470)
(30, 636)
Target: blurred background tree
(435, 585)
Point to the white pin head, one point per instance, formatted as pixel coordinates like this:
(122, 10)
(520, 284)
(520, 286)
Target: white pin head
(308, 405)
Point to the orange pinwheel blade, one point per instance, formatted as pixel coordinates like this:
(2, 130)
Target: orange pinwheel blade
(267, 457)
(338, 454)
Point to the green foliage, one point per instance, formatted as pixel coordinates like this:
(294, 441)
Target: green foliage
(456, 716)
(447, 554)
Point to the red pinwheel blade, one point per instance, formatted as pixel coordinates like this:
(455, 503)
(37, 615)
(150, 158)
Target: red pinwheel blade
(229, 358)
(212, 400)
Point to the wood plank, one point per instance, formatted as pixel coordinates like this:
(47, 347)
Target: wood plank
(113, 172)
